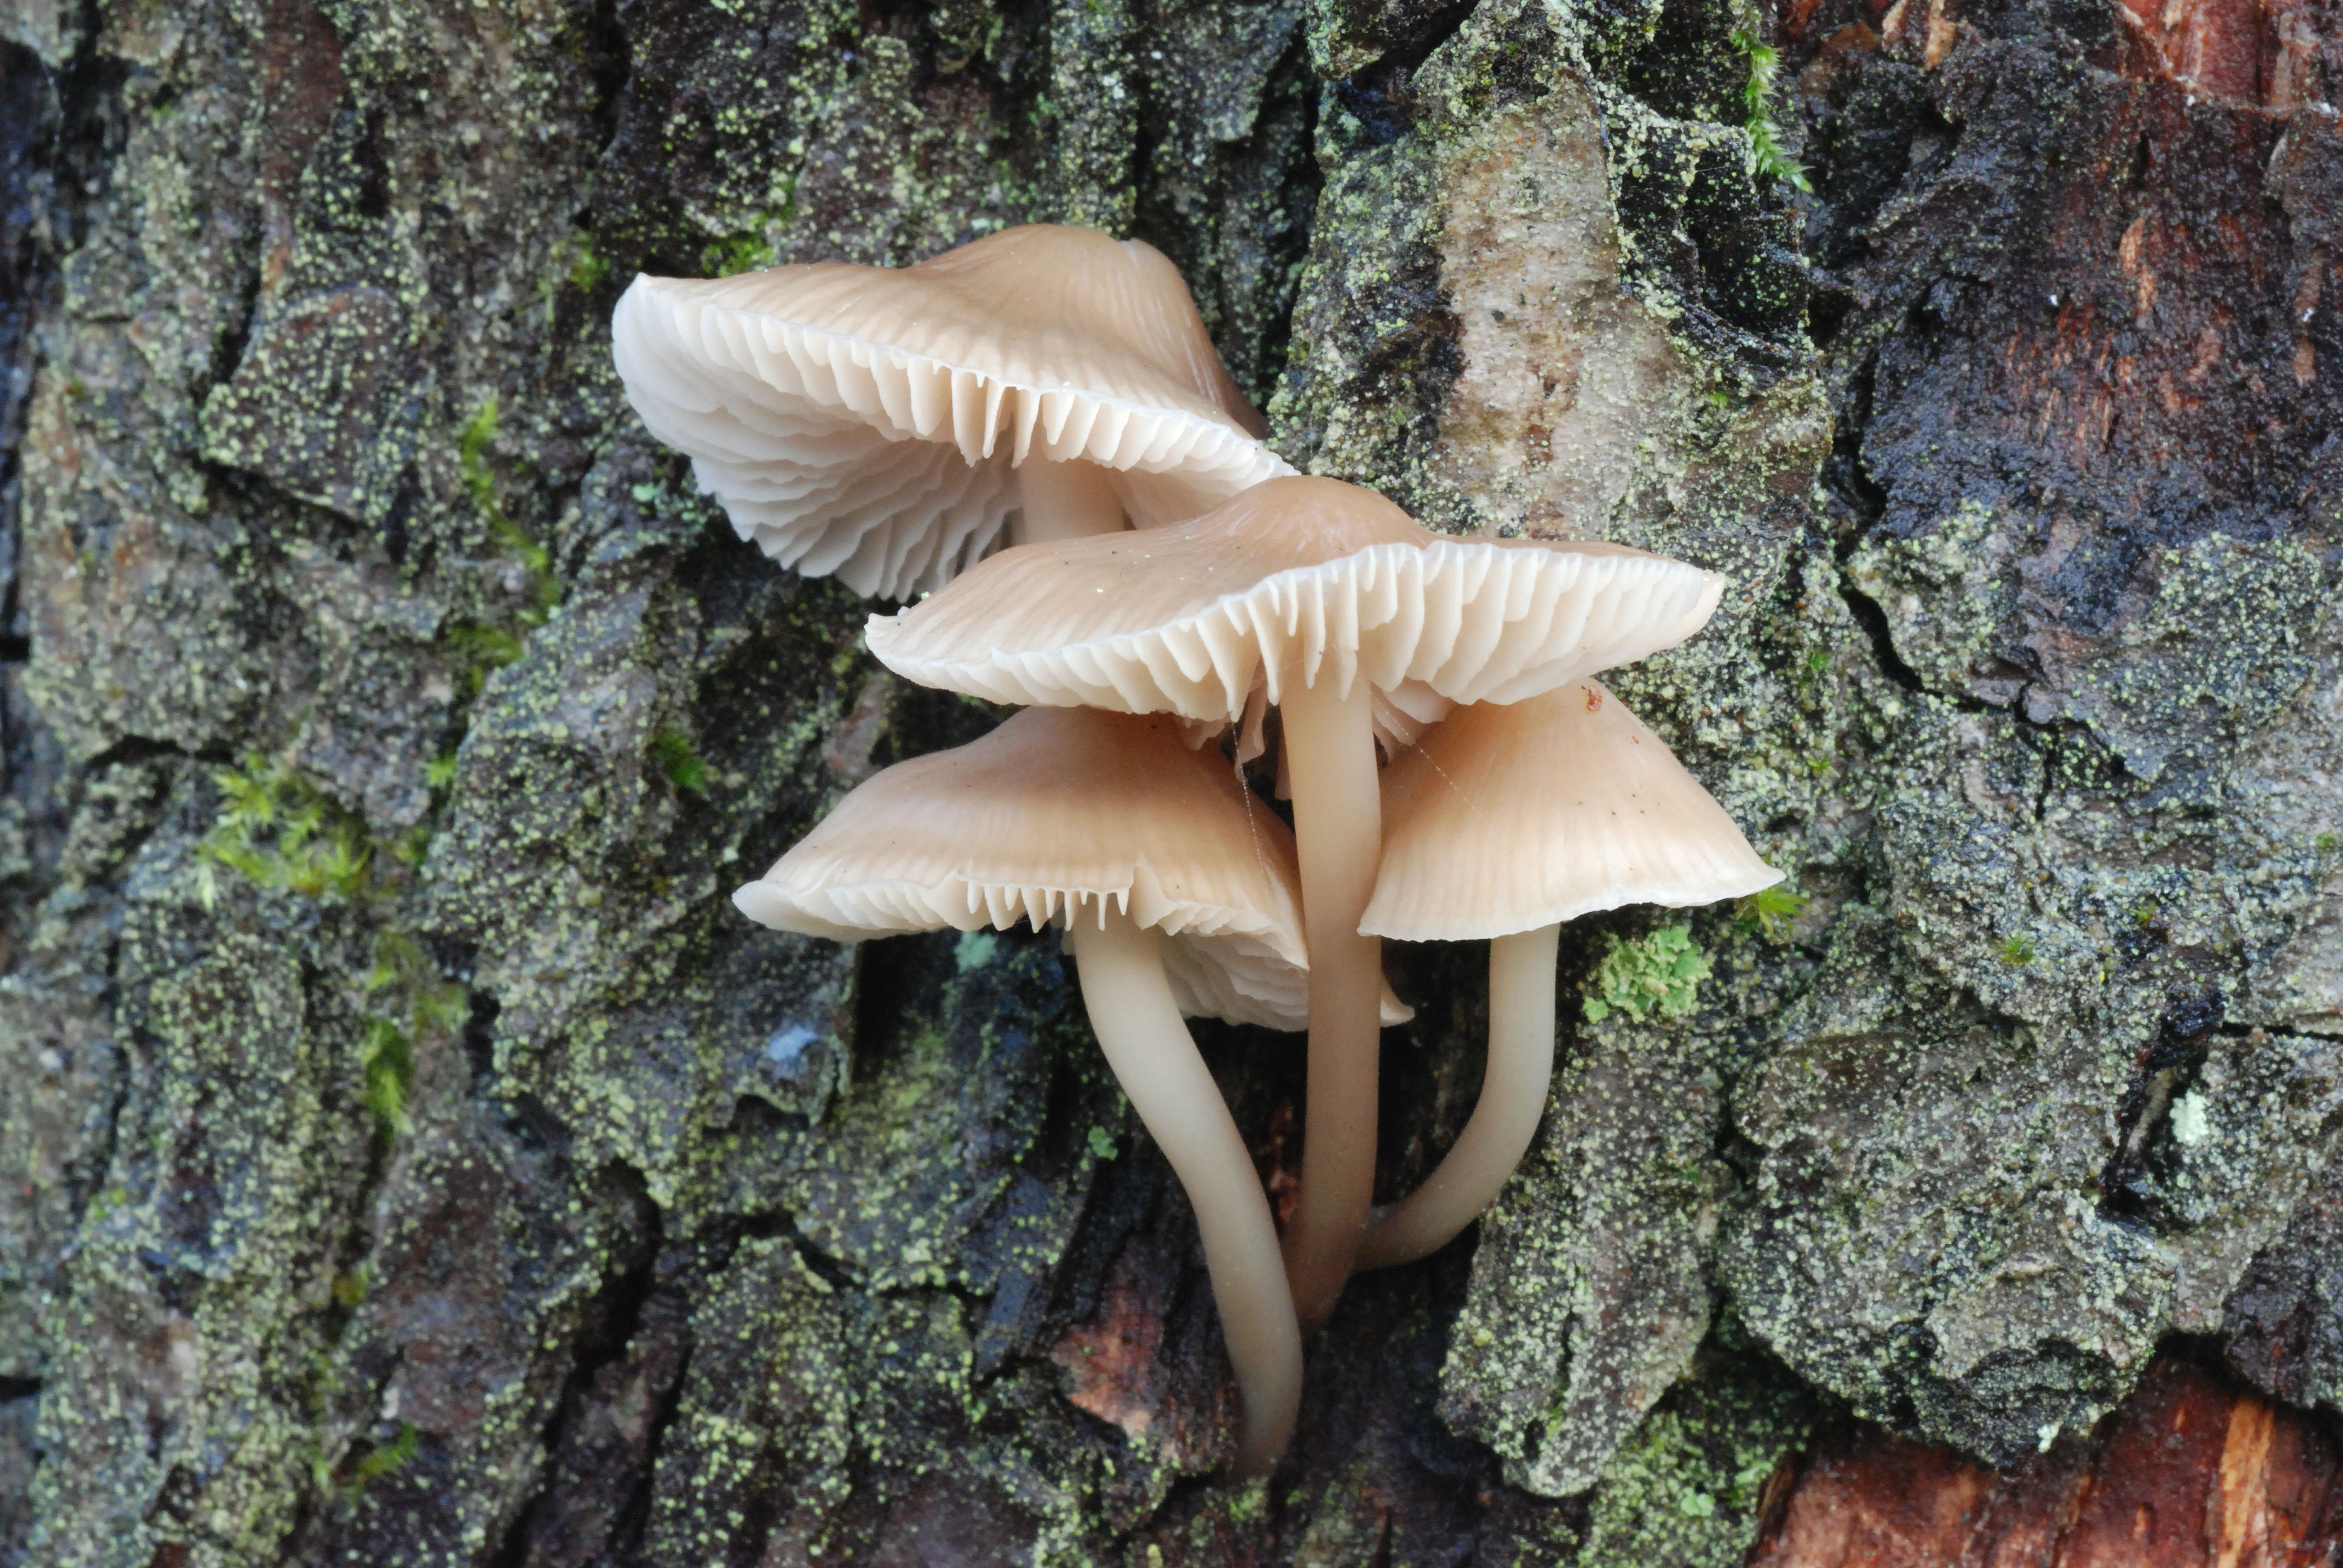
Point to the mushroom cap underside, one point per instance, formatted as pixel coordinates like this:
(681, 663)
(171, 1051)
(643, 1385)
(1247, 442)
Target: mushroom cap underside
(1506, 818)
(1047, 817)
(867, 421)
(1292, 576)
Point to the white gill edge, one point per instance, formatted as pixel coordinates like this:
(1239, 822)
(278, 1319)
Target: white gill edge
(939, 401)
(1222, 961)
(886, 905)
(1299, 616)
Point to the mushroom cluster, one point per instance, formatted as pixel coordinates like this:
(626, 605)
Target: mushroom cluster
(881, 424)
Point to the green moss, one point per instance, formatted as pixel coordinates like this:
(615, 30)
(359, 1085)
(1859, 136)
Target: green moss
(280, 830)
(1767, 158)
(752, 247)
(478, 648)
(387, 1060)
(1770, 911)
(406, 999)
(535, 560)
(587, 269)
(479, 651)
(383, 1460)
(680, 761)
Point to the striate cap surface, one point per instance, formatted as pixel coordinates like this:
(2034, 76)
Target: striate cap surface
(1052, 813)
(1506, 818)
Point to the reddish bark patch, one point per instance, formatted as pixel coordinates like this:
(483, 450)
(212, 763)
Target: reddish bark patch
(2192, 1472)
(2149, 341)
(301, 81)
(1146, 1361)
(1111, 1359)
(2242, 52)
(1277, 1158)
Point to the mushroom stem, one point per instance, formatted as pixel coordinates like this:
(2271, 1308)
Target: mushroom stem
(1156, 1060)
(1513, 1097)
(1330, 758)
(1064, 500)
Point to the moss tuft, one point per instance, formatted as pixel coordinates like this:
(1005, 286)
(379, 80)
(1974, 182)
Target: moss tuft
(1770, 911)
(281, 832)
(1767, 157)
(680, 761)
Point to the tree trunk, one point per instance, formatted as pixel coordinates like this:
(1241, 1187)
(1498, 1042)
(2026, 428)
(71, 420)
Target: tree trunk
(410, 1156)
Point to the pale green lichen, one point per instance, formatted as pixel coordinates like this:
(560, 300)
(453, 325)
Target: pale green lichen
(1657, 976)
(1946, 593)
(1685, 1489)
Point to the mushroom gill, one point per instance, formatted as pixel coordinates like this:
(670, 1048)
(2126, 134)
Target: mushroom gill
(887, 424)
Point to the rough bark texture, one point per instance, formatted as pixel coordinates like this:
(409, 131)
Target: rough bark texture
(2189, 1473)
(409, 1156)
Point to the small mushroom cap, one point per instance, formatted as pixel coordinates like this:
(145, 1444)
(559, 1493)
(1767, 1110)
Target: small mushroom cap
(1053, 812)
(1503, 820)
(867, 421)
(1290, 576)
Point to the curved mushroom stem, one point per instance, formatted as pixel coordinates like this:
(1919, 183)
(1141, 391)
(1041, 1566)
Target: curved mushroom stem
(1512, 1098)
(1064, 501)
(1154, 1059)
(1330, 758)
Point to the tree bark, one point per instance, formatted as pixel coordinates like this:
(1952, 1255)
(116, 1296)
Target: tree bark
(410, 1156)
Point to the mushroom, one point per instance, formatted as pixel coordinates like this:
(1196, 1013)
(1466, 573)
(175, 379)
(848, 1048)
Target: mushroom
(1320, 593)
(1503, 823)
(1178, 896)
(883, 423)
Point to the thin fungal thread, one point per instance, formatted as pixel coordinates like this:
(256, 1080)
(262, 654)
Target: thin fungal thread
(1260, 856)
(1471, 804)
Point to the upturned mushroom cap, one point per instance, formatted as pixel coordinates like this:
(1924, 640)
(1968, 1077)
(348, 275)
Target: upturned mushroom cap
(796, 390)
(1505, 819)
(1270, 587)
(1054, 810)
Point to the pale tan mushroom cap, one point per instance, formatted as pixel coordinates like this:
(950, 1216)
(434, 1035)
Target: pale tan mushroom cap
(1290, 577)
(795, 390)
(1505, 819)
(1052, 813)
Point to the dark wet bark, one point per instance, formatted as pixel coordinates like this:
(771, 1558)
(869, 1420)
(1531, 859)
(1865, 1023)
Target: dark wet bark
(410, 1156)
